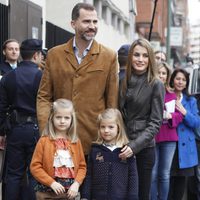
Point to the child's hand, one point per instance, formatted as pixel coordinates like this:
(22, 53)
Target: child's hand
(57, 188)
(73, 190)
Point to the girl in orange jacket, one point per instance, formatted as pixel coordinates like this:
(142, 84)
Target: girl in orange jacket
(58, 162)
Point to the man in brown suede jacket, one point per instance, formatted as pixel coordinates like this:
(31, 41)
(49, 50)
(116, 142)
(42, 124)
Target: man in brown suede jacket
(83, 71)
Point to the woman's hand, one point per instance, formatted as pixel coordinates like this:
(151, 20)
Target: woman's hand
(73, 190)
(180, 108)
(126, 152)
(57, 188)
(167, 115)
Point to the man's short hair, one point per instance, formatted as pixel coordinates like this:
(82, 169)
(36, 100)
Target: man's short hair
(8, 41)
(29, 47)
(78, 6)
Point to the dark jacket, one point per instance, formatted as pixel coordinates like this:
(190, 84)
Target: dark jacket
(5, 68)
(18, 90)
(109, 177)
(142, 109)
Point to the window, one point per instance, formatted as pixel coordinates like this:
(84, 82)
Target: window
(126, 29)
(114, 20)
(104, 13)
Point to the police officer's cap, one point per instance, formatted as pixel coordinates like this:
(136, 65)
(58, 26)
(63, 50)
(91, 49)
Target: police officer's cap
(123, 50)
(31, 45)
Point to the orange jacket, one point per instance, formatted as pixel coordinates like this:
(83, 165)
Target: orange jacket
(42, 161)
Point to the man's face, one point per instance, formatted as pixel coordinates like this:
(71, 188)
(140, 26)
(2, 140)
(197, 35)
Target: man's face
(38, 57)
(86, 25)
(11, 52)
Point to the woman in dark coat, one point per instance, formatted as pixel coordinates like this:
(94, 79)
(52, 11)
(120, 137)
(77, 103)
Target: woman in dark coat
(142, 102)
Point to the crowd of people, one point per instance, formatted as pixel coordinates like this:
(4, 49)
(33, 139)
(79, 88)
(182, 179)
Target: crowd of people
(74, 127)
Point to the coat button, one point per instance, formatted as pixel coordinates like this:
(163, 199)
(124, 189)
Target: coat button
(76, 75)
(183, 144)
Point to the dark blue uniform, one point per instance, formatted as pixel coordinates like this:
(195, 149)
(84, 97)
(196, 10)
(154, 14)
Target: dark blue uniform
(18, 89)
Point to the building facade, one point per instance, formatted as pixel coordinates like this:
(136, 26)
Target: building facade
(49, 20)
(172, 33)
(195, 42)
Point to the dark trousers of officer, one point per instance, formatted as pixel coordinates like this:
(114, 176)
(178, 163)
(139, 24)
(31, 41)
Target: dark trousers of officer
(21, 143)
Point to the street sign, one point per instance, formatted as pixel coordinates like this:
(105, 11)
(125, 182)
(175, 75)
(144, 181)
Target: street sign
(176, 36)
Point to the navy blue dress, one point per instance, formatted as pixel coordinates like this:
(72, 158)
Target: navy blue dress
(109, 177)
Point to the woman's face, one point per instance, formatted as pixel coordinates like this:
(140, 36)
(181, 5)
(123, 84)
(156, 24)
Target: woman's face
(140, 59)
(180, 82)
(160, 57)
(162, 73)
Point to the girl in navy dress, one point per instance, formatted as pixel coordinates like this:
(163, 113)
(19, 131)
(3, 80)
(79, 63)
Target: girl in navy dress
(108, 175)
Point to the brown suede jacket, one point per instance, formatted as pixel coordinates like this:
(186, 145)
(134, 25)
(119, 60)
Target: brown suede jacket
(92, 86)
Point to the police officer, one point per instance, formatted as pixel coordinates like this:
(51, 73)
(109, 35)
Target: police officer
(123, 58)
(18, 91)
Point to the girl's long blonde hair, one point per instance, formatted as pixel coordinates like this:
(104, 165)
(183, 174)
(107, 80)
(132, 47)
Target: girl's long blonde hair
(50, 130)
(115, 115)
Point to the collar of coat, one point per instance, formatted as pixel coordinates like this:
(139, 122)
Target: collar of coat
(95, 47)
